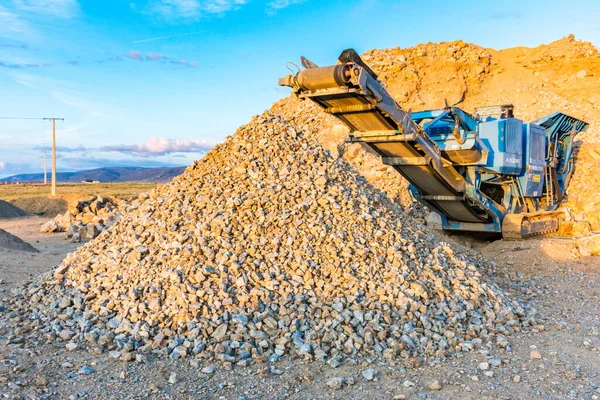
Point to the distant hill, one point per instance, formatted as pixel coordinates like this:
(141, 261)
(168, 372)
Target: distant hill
(109, 174)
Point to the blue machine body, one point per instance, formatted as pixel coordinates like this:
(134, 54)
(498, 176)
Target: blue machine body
(507, 162)
(504, 139)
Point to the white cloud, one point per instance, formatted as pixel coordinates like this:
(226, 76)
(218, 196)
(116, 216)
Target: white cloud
(64, 9)
(220, 6)
(11, 24)
(275, 5)
(157, 147)
(190, 9)
(2, 165)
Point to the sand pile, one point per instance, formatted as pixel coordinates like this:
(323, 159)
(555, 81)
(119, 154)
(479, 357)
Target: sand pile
(49, 206)
(12, 242)
(8, 210)
(269, 246)
(561, 76)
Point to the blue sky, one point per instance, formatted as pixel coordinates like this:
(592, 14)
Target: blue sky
(158, 82)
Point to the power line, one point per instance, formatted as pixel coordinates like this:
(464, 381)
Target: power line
(59, 119)
(18, 118)
(53, 190)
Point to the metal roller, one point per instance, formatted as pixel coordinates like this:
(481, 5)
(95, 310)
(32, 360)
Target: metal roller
(324, 77)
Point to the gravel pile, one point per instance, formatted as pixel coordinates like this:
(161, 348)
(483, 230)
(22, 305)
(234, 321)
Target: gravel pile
(331, 134)
(266, 247)
(87, 218)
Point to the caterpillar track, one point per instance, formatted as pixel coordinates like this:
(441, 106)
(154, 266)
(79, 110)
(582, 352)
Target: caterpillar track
(521, 226)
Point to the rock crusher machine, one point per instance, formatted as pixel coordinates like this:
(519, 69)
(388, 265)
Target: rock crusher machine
(485, 173)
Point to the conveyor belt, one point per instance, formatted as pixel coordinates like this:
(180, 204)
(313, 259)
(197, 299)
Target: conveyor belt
(349, 92)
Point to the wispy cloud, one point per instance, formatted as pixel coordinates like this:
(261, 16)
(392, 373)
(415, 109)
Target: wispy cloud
(153, 147)
(4, 64)
(91, 107)
(188, 9)
(63, 149)
(176, 36)
(134, 55)
(156, 57)
(11, 168)
(13, 46)
(189, 64)
(25, 65)
(276, 5)
(110, 59)
(12, 25)
(66, 93)
(137, 56)
(221, 6)
(63, 9)
(158, 147)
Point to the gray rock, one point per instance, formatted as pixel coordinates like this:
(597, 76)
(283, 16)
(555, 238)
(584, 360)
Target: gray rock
(71, 346)
(495, 362)
(335, 361)
(370, 374)
(178, 352)
(85, 370)
(335, 383)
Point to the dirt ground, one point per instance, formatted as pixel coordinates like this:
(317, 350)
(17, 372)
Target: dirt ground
(547, 273)
(18, 266)
(34, 197)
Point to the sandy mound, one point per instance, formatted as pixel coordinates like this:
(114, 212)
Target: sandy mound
(48, 206)
(8, 210)
(11, 242)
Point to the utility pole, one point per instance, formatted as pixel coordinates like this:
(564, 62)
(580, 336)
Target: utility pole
(45, 177)
(53, 157)
(53, 192)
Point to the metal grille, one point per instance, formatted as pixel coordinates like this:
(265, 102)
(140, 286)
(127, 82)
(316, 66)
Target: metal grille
(513, 137)
(536, 143)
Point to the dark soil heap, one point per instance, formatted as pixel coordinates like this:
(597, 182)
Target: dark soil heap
(8, 210)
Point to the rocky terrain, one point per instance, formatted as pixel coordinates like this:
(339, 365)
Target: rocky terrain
(270, 246)
(86, 218)
(557, 359)
(287, 264)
